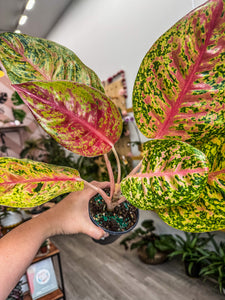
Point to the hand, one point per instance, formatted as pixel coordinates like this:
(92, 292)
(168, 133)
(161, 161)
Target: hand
(71, 215)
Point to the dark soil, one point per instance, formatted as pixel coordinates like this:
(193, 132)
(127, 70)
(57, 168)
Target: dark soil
(120, 219)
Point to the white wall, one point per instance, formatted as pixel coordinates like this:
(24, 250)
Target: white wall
(110, 35)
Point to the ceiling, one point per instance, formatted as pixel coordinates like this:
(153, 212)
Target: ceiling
(41, 19)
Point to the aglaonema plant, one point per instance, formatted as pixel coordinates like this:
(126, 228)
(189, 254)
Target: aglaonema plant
(178, 102)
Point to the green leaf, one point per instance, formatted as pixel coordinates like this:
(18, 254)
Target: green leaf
(215, 152)
(19, 114)
(207, 213)
(175, 253)
(190, 266)
(148, 224)
(138, 244)
(151, 250)
(26, 183)
(179, 89)
(80, 118)
(172, 173)
(16, 99)
(27, 58)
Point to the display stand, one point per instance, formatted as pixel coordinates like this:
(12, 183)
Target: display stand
(59, 293)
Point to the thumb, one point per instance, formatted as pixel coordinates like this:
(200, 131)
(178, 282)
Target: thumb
(96, 232)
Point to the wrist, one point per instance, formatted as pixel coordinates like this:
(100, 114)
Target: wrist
(44, 223)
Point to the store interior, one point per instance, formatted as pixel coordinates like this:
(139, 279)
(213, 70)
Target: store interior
(111, 38)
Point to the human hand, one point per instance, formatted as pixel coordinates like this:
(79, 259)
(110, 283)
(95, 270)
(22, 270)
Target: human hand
(71, 215)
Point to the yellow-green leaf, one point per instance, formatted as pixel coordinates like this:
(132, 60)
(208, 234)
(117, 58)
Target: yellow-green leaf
(172, 173)
(28, 58)
(27, 183)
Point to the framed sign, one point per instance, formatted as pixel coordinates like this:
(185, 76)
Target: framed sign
(41, 278)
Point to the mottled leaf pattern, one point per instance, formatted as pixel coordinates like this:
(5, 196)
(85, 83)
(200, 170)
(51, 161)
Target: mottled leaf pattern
(179, 92)
(205, 214)
(208, 212)
(172, 173)
(27, 58)
(80, 118)
(215, 152)
(26, 183)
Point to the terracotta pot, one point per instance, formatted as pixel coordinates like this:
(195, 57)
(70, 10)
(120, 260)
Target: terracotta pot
(159, 257)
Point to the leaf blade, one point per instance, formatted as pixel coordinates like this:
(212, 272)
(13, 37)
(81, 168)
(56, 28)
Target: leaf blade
(39, 59)
(172, 173)
(181, 76)
(27, 183)
(80, 118)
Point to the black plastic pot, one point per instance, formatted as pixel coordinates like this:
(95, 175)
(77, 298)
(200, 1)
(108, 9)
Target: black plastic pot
(195, 270)
(113, 235)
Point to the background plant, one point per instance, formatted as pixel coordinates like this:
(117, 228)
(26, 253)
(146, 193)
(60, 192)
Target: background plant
(192, 249)
(215, 265)
(144, 236)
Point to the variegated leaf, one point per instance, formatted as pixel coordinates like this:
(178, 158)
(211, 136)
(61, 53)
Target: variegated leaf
(179, 90)
(205, 214)
(215, 152)
(26, 183)
(80, 118)
(27, 58)
(208, 212)
(172, 173)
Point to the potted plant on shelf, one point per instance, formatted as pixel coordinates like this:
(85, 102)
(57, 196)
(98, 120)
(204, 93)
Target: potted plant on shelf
(192, 249)
(9, 218)
(178, 102)
(152, 248)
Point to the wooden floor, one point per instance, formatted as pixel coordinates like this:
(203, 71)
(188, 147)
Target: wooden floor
(95, 272)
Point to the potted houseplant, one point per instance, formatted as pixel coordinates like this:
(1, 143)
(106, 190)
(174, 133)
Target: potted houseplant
(192, 249)
(214, 265)
(178, 102)
(152, 248)
(9, 218)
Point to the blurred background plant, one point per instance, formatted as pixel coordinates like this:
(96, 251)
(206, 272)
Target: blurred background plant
(152, 248)
(214, 265)
(191, 249)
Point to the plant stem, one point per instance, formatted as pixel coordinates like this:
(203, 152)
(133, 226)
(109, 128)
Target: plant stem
(101, 192)
(118, 165)
(111, 177)
(135, 170)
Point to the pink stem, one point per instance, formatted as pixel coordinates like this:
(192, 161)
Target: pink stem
(122, 199)
(111, 177)
(101, 192)
(135, 170)
(118, 165)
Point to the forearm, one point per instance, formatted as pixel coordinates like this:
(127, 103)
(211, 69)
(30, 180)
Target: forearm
(19, 246)
(17, 250)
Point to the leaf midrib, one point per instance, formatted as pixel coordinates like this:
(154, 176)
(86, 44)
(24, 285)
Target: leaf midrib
(25, 58)
(39, 180)
(66, 112)
(171, 173)
(165, 126)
